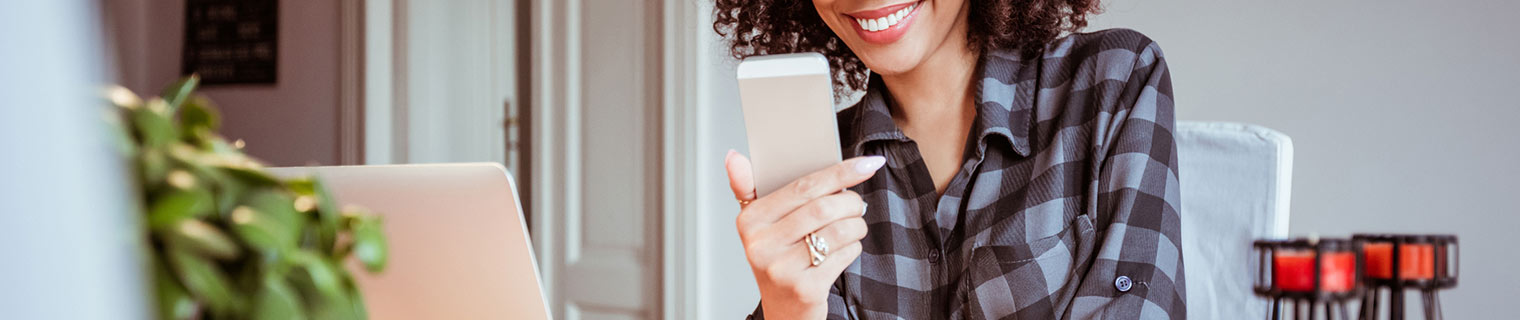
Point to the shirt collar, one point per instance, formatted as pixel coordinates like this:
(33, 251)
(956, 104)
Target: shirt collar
(1004, 106)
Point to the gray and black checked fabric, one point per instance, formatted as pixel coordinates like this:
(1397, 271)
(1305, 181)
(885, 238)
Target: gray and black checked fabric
(1069, 184)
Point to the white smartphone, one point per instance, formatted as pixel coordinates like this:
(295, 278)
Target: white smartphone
(788, 103)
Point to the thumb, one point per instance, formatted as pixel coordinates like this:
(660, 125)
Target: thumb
(741, 178)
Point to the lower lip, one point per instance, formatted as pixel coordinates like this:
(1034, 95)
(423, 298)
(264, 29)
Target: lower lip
(889, 35)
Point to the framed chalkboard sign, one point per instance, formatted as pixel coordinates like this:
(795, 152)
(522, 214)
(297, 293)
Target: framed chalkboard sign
(231, 41)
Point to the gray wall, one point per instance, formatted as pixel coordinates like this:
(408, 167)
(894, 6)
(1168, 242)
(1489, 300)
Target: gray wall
(1399, 111)
(293, 122)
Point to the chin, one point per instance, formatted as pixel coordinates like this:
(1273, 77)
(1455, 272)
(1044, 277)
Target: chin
(890, 61)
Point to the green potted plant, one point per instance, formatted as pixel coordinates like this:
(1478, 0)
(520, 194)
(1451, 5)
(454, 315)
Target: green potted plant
(226, 239)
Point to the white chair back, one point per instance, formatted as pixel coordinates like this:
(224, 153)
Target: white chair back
(1236, 180)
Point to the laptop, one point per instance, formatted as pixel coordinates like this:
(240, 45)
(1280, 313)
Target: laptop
(458, 246)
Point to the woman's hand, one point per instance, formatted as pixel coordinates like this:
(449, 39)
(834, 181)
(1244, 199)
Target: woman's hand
(772, 229)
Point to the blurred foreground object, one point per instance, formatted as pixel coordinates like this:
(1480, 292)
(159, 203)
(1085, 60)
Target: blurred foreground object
(68, 240)
(228, 240)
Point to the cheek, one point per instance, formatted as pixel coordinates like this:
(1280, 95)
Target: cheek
(946, 18)
(830, 16)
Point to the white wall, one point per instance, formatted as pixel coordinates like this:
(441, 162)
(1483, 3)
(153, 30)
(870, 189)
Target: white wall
(1400, 113)
(293, 122)
(725, 287)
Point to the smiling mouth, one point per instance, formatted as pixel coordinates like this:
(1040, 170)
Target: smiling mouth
(885, 18)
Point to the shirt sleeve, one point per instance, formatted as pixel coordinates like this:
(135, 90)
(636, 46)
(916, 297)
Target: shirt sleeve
(1137, 273)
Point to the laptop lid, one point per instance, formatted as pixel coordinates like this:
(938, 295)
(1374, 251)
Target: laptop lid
(459, 248)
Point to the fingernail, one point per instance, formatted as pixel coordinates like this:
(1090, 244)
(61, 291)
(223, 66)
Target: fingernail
(869, 164)
(863, 207)
(730, 154)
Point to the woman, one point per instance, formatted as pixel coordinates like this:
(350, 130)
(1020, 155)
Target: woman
(1027, 174)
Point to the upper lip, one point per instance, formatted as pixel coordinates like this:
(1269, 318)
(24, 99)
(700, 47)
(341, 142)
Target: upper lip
(879, 12)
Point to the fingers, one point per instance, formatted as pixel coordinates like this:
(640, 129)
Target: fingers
(842, 232)
(839, 259)
(741, 177)
(794, 260)
(816, 214)
(788, 268)
(817, 184)
(784, 263)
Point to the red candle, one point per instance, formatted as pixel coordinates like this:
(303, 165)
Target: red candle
(1294, 271)
(1416, 261)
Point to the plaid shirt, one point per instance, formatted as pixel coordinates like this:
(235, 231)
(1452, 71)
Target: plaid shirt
(1065, 208)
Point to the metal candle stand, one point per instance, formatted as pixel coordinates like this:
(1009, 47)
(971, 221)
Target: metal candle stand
(1306, 300)
(1389, 273)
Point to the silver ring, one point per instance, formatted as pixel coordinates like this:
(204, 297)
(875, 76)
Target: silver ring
(817, 248)
(819, 244)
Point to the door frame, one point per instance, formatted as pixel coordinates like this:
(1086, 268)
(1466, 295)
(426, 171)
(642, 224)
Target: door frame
(351, 81)
(682, 53)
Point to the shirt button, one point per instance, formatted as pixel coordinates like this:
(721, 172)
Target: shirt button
(933, 256)
(1123, 283)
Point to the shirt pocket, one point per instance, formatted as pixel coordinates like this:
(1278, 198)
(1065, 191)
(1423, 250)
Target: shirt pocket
(1010, 278)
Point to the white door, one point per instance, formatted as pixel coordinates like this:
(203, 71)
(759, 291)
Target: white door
(440, 80)
(596, 155)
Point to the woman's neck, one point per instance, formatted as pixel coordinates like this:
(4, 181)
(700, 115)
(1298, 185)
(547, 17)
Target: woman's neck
(938, 90)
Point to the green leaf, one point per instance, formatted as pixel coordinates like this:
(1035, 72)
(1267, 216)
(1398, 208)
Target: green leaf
(219, 146)
(327, 293)
(279, 206)
(250, 174)
(322, 233)
(369, 244)
(276, 300)
(173, 302)
(176, 93)
(178, 205)
(196, 113)
(338, 307)
(198, 123)
(154, 128)
(302, 185)
(262, 231)
(121, 97)
(228, 192)
(153, 167)
(326, 202)
(203, 238)
(358, 297)
(204, 280)
(324, 276)
(327, 215)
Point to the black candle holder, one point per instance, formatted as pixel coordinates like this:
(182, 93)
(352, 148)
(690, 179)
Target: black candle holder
(1306, 300)
(1407, 251)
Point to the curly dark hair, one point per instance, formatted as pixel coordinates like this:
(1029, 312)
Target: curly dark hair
(761, 27)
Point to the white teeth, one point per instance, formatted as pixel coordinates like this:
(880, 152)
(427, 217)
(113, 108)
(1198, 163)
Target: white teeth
(887, 21)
